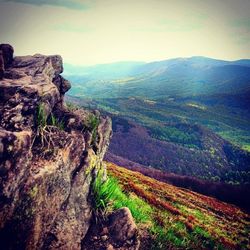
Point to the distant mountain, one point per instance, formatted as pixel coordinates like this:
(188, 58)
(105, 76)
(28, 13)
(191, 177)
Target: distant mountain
(180, 76)
(193, 63)
(107, 71)
(188, 116)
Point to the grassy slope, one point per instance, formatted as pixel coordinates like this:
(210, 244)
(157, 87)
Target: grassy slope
(170, 217)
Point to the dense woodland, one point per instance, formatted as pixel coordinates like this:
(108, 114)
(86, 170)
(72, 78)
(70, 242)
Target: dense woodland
(173, 137)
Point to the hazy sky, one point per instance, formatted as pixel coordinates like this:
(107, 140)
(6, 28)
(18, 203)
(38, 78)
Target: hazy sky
(102, 31)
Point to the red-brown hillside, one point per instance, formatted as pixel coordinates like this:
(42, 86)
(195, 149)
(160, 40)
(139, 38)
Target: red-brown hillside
(184, 218)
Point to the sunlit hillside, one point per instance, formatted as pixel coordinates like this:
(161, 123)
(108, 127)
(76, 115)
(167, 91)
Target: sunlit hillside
(174, 218)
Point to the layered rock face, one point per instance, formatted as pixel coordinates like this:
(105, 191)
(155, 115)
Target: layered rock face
(49, 156)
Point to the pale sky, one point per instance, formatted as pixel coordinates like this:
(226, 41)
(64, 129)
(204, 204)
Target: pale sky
(103, 31)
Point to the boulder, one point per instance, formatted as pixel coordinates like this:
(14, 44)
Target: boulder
(1, 65)
(8, 52)
(117, 232)
(123, 229)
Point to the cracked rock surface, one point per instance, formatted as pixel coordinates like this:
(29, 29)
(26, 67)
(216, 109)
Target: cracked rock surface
(49, 156)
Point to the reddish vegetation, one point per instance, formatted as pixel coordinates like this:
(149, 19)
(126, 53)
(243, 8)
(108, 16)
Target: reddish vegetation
(225, 192)
(223, 222)
(227, 244)
(190, 218)
(189, 226)
(151, 199)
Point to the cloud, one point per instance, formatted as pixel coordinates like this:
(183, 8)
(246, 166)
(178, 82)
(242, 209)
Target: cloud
(69, 4)
(68, 27)
(242, 27)
(241, 23)
(173, 25)
(111, 30)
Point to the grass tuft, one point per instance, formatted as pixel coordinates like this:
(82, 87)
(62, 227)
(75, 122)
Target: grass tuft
(46, 126)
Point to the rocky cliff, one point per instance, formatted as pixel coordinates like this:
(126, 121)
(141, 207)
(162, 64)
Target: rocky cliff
(49, 155)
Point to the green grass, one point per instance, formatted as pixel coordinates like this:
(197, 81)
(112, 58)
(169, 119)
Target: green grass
(103, 191)
(44, 120)
(41, 116)
(109, 196)
(202, 222)
(92, 123)
(55, 122)
(46, 124)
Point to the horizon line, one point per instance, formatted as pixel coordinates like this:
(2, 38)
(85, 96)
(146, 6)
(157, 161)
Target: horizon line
(154, 61)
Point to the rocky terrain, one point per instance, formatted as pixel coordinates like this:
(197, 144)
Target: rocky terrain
(50, 155)
(118, 232)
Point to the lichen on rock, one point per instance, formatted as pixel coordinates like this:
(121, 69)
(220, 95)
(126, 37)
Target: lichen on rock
(46, 174)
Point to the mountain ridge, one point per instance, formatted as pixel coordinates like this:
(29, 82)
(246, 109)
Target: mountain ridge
(180, 76)
(242, 61)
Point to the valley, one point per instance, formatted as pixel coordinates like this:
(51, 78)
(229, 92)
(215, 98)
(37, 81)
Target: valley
(125, 125)
(179, 157)
(178, 136)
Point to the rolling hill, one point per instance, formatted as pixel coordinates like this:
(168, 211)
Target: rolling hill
(185, 123)
(174, 137)
(180, 76)
(174, 218)
(188, 116)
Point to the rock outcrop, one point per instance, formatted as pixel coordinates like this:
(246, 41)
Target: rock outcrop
(1, 65)
(118, 232)
(49, 156)
(122, 227)
(7, 52)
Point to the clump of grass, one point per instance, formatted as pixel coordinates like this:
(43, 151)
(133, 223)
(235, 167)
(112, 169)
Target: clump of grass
(41, 116)
(53, 121)
(71, 106)
(103, 191)
(93, 122)
(109, 196)
(44, 121)
(46, 126)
